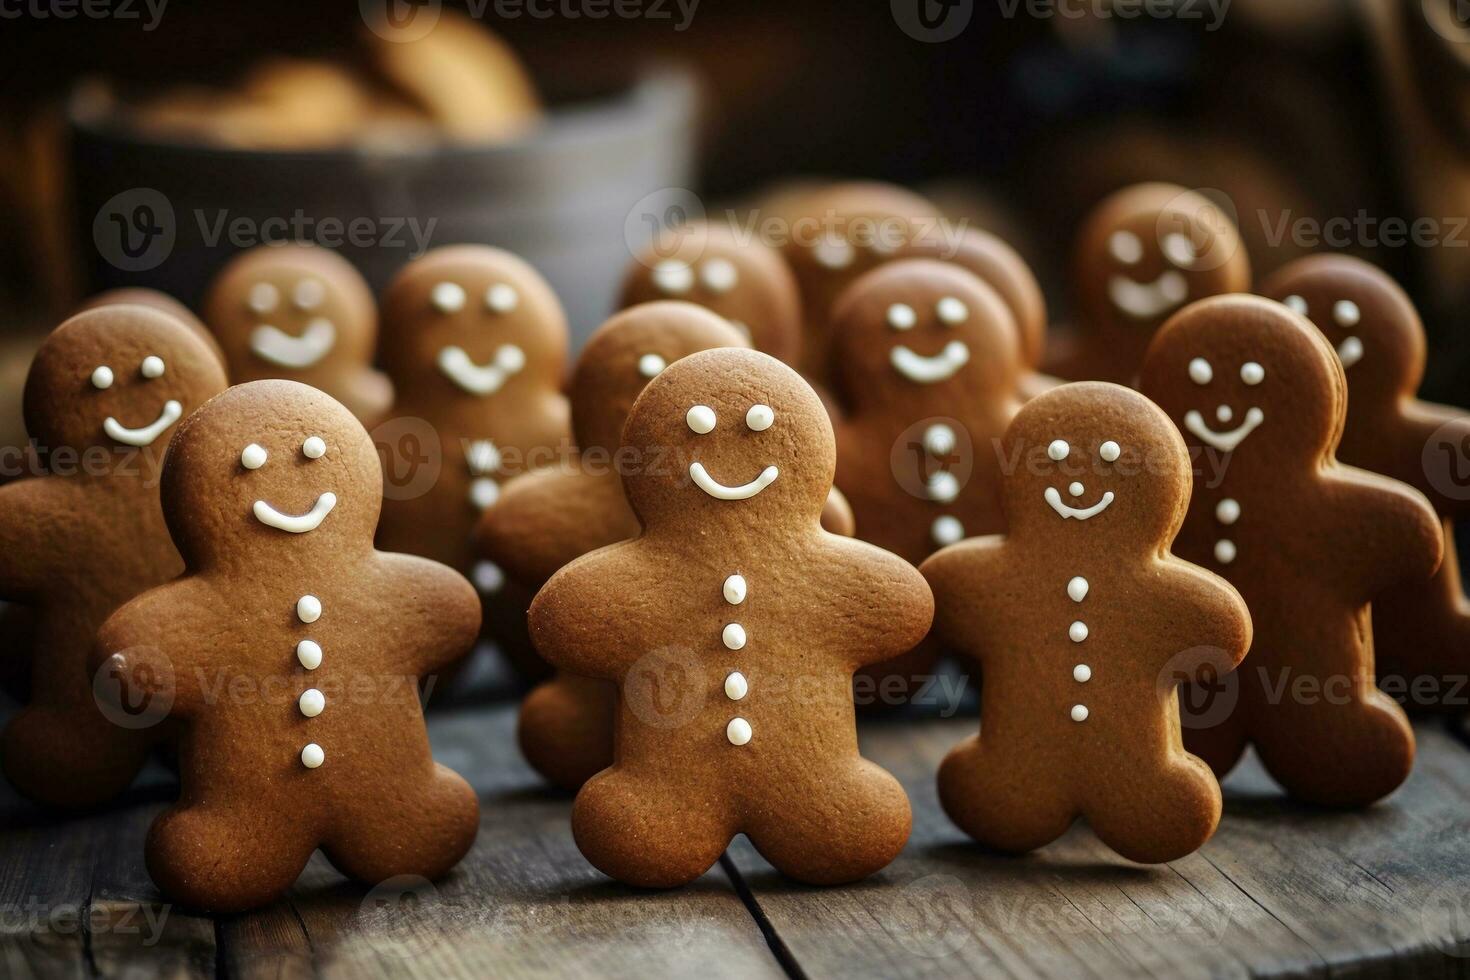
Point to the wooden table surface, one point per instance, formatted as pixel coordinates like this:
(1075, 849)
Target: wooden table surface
(1282, 890)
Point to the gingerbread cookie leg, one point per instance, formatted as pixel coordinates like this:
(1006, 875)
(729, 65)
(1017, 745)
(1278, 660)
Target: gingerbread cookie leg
(99, 759)
(565, 728)
(1424, 630)
(389, 832)
(993, 795)
(1155, 813)
(650, 832)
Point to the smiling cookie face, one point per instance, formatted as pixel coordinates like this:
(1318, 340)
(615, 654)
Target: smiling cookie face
(291, 310)
(1247, 376)
(471, 321)
(119, 377)
(1095, 459)
(275, 465)
(729, 436)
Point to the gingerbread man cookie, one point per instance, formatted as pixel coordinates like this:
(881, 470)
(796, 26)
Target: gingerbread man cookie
(294, 651)
(1082, 622)
(303, 313)
(103, 397)
(1143, 253)
(1260, 397)
(1419, 629)
(742, 279)
(155, 299)
(735, 597)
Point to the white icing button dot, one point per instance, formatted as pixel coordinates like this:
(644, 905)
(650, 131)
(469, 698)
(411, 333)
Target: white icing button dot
(1077, 631)
(308, 609)
(734, 589)
(1076, 489)
(313, 756)
(501, 298)
(253, 457)
(102, 378)
(834, 253)
(312, 702)
(650, 365)
(734, 636)
(1058, 449)
(701, 419)
(309, 652)
(947, 530)
(488, 577)
(738, 731)
(1081, 673)
(1125, 247)
(153, 366)
(760, 418)
(1224, 551)
(1079, 712)
(1224, 413)
(314, 447)
(263, 297)
(1252, 373)
(447, 297)
(673, 276)
(484, 492)
(736, 686)
(939, 439)
(308, 294)
(1077, 588)
(1296, 304)
(901, 316)
(1346, 313)
(719, 275)
(943, 487)
(1227, 511)
(1109, 451)
(510, 358)
(1200, 371)
(483, 457)
(951, 311)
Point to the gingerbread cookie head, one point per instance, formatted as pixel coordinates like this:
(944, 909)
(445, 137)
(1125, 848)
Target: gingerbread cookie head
(291, 310)
(119, 377)
(729, 437)
(1098, 467)
(1150, 250)
(1365, 316)
(744, 280)
(921, 326)
(156, 299)
(1247, 377)
(631, 349)
(469, 322)
(271, 472)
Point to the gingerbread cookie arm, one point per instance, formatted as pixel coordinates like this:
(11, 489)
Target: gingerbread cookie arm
(438, 616)
(153, 654)
(1393, 527)
(33, 532)
(575, 618)
(1437, 445)
(1208, 627)
(545, 519)
(883, 597)
(961, 577)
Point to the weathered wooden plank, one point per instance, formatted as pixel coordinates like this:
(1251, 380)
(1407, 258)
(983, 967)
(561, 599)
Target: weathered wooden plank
(1281, 890)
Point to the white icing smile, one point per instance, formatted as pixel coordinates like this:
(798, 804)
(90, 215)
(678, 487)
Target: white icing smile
(1054, 497)
(118, 432)
(310, 521)
(1224, 441)
(477, 379)
(274, 346)
(1147, 300)
(1350, 351)
(719, 491)
(928, 370)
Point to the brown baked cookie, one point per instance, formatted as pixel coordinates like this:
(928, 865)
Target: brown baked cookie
(303, 313)
(834, 235)
(291, 651)
(1261, 399)
(103, 396)
(1144, 252)
(742, 279)
(1420, 629)
(1083, 624)
(733, 625)
(155, 299)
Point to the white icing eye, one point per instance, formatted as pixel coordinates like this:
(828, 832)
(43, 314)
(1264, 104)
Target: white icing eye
(760, 418)
(649, 365)
(263, 297)
(1125, 247)
(1109, 451)
(501, 298)
(719, 275)
(308, 294)
(510, 358)
(1179, 250)
(952, 311)
(1296, 304)
(314, 447)
(1346, 313)
(253, 457)
(902, 317)
(1200, 371)
(152, 366)
(102, 378)
(1058, 450)
(701, 419)
(447, 297)
(673, 277)
(1252, 373)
